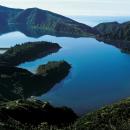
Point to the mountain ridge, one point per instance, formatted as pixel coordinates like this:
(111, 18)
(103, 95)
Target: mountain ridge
(42, 21)
(114, 31)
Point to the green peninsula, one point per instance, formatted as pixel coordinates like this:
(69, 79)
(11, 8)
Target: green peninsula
(27, 52)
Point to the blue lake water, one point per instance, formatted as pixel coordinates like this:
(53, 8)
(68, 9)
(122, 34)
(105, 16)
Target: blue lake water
(100, 73)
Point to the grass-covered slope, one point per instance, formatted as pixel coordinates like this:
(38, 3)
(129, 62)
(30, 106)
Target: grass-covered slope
(27, 52)
(112, 117)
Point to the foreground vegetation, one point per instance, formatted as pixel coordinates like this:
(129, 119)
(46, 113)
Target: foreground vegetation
(31, 112)
(112, 117)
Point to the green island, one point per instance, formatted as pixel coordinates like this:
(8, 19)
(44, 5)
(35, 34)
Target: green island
(52, 68)
(27, 52)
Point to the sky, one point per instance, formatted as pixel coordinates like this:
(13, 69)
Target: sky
(75, 7)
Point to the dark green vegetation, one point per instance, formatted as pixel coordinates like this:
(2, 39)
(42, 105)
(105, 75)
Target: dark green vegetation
(53, 67)
(18, 83)
(27, 52)
(36, 115)
(112, 117)
(114, 31)
(21, 114)
(115, 34)
(39, 22)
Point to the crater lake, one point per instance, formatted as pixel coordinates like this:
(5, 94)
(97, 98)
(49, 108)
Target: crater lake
(100, 72)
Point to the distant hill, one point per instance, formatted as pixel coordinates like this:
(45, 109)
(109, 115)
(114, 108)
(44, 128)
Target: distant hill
(43, 21)
(6, 14)
(114, 31)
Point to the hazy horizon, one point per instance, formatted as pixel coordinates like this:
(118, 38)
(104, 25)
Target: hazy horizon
(75, 7)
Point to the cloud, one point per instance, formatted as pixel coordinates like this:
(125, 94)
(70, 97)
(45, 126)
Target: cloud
(75, 7)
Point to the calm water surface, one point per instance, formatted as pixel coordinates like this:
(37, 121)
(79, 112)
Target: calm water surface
(100, 72)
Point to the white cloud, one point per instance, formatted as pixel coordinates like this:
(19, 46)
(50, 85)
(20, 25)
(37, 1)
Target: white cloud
(75, 7)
